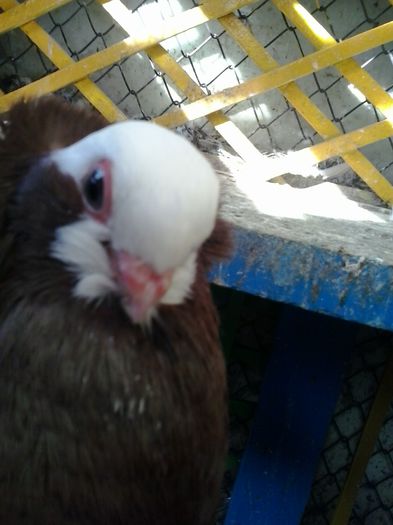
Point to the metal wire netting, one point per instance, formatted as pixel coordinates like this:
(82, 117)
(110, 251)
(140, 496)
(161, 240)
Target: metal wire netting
(214, 61)
(374, 502)
(249, 332)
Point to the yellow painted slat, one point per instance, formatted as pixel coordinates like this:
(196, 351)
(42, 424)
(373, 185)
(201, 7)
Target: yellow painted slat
(309, 111)
(168, 28)
(368, 439)
(345, 145)
(280, 76)
(29, 10)
(370, 175)
(350, 69)
(100, 101)
(61, 59)
(349, 141)
(168, 65)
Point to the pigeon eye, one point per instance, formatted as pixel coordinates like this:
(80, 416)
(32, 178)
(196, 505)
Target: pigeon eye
(97, 191)
(93, 189)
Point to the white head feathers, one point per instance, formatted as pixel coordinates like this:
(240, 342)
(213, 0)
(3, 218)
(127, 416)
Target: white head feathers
(164, 201)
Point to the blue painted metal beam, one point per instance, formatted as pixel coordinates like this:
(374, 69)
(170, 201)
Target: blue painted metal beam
(314, 278)
(297, 399)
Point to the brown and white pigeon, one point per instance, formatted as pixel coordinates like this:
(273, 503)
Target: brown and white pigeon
(112, 381)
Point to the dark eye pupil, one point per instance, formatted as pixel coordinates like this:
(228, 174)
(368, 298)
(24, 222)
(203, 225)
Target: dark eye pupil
(94, 189)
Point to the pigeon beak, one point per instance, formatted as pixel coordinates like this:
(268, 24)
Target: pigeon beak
(141, 286)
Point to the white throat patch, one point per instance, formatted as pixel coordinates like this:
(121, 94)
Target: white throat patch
(80, 247)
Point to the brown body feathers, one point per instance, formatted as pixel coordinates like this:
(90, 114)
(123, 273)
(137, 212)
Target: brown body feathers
(101, 422)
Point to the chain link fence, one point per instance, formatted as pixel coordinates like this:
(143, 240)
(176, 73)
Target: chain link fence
(214, 61)
(248, 332)
(374, 502)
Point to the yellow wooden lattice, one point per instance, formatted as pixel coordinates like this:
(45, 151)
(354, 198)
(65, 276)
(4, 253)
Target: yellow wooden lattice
(275, 76)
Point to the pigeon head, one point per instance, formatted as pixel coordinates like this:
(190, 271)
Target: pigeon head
(142, 200)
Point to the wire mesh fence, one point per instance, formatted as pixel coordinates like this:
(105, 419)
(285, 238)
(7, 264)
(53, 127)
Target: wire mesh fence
(247, 333)
(251, 323)
(214, 61)
(374, 502)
